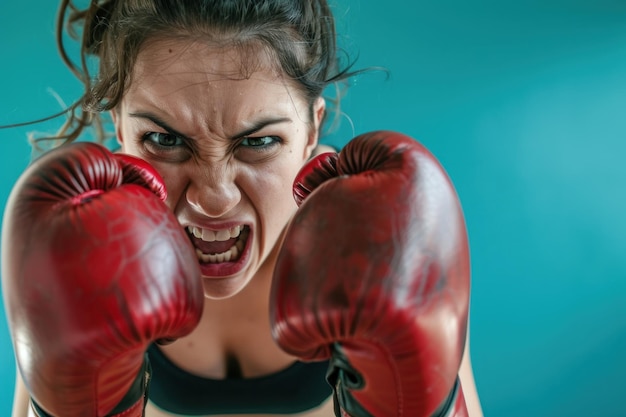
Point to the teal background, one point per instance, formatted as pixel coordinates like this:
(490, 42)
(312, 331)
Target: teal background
(524, 102)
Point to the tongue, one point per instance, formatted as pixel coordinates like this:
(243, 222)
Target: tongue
(213, 247)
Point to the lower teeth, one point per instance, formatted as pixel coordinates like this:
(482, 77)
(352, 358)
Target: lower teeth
(230, 255)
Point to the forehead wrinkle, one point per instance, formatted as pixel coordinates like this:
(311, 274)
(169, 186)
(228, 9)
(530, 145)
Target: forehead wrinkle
(227, 62)
(227, 110)
(221, 119)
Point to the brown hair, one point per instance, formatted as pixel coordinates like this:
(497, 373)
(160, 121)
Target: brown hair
(300, 35)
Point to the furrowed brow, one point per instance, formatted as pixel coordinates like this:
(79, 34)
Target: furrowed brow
(255, 127)
(159, 122)
(260, 124)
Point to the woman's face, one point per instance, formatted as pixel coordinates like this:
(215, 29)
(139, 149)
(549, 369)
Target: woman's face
(228, 145)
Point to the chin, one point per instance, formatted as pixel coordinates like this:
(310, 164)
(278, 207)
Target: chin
(222, 288)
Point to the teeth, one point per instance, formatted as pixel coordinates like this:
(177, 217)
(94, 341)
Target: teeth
(231, 253)
(221, 235)
(211, 236)
(235, 231)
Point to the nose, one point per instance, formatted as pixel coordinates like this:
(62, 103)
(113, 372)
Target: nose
(213, 193)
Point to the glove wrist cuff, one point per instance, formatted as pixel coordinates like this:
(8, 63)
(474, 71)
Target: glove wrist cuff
(448, 406)
(134, 402)
(137, 396)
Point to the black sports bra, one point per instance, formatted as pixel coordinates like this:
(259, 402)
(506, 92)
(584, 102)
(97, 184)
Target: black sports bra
(298, 388)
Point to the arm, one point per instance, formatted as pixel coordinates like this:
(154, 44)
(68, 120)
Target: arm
(21, 399)
(466, 374)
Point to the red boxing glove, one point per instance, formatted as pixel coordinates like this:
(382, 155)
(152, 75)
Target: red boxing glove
(374, 275)
(95, 267)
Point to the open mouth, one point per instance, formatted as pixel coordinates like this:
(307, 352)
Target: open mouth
(219, 246)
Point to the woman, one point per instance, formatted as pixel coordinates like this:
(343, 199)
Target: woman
(225, 100)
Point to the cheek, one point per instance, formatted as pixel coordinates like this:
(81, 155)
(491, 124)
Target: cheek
(272, 192)
(174, 183)
(171, 175)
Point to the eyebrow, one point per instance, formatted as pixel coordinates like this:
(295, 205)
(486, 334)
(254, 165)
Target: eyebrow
(255, 127)
(260, 124)
(157, 121)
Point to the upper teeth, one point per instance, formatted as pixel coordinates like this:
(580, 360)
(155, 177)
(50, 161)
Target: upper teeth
(212, 235)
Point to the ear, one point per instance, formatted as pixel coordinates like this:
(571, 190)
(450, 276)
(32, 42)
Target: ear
(319, 110)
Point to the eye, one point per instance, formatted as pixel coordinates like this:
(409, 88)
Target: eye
(163, 140)
(259, 143)
(165, 147)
